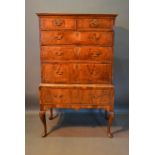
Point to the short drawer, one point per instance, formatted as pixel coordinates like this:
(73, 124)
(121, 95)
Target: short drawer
(95, 23)
(72, 95)
(57, 23)
(76, 73)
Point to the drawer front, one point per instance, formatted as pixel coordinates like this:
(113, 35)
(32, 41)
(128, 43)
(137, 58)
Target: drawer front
(55, 96)
(60, 95)
(81, 53)
(95, 73)
(58, 37)
(72, 37)
(88, 96)
(57, 23)
(97, 96)
(94, 53)
(76, 73)
(51, 53)
(96, 38)
(56, 73)
(95, 23)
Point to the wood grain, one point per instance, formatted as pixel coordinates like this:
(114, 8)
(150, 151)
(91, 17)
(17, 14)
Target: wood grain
(76, 73)
(104, 38)
(76, 55)
(57, 23)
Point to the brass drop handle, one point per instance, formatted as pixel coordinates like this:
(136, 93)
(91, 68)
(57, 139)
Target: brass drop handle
(59, 36)
(94, 23)
(95, 54)
(58, 96)
(91, 69)
(59, 53)
(59, 73)
(58, 70)
(95, 37)
(58, 22)
(97, 96)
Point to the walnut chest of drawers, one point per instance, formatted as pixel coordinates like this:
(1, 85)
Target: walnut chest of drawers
(76, 54)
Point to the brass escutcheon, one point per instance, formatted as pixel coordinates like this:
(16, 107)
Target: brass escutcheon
(58, 22)
(94, 23)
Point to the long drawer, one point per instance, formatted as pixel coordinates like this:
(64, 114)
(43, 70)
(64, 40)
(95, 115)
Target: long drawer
(104, 38)
(76, 73)
(77, 95)
(89, 53)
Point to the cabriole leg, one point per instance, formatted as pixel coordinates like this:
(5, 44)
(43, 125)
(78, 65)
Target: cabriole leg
(106, 115)
(42, 115)
(110, 117)
(51, 114)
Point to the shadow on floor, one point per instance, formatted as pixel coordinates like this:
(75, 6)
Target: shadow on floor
(89, 119)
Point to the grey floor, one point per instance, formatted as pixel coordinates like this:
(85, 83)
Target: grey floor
(76, 133)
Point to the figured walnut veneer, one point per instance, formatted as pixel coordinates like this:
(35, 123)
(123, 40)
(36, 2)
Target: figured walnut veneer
(76, 52)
